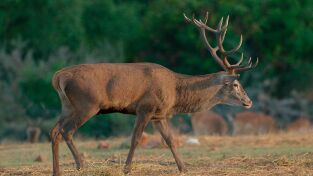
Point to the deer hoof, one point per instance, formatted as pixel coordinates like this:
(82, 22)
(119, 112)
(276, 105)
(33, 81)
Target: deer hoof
(56, 174)
(126, 169)
(79, 164)
(183, 170)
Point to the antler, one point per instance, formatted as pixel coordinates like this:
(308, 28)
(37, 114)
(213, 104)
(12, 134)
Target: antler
(220, 33)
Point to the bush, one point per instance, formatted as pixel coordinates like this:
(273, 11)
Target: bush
(107, 125)
(45, 25)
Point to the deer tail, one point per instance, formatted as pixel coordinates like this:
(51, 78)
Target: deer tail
(59, 84)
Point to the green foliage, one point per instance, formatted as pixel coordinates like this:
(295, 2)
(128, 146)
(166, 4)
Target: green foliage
(279, 32)
(108, 124)
(107, 20)
(38, 94)
(45, 25)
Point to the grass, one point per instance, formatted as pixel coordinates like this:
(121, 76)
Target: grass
(272, 154)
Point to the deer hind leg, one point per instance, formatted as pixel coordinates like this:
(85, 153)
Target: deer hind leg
(141, 123)
(55, 140)
(68, 130)
(69, 127)
(163, 127)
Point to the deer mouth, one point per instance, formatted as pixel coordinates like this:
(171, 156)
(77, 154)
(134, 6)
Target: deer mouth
(247, 105)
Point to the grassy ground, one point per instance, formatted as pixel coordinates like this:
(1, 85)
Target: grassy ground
(274, 154)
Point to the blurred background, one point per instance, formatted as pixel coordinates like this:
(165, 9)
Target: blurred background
(37, 38)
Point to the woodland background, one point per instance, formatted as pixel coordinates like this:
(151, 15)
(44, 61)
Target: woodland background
(39, 37)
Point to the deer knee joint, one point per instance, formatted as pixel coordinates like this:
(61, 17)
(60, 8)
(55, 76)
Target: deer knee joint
(55, 134)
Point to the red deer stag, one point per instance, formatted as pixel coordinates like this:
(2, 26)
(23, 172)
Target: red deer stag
(301, 124)
(208, 123)
(253, 123)
(150, 91)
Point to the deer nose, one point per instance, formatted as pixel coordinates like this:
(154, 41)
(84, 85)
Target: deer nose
(248, 105)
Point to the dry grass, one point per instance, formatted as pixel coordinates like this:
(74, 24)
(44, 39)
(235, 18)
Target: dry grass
(273, 154)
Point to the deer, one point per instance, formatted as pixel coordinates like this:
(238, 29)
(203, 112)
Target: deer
(302, 123)
(208, 123)
(150, 91)
(256, 123)
(33, 131)
(33, 134)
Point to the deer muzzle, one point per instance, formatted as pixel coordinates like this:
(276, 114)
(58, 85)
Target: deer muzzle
(248, 104)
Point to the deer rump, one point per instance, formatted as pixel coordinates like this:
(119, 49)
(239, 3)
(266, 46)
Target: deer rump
(116, 87)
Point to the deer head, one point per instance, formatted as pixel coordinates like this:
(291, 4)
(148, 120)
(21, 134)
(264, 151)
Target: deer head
(232, 92)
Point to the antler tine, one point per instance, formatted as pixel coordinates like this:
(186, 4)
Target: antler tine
(232, 51)
(206, 17)
(236, 48)
(200, 24)
(247, 67)
(249, 60)
(209, 29)
(256, 63)
(219, 27)
(194, 21)
(186, 18)
(240, 61)
(224, 28)
(239, 68)
(226, 23)
(223, 35)
(219, 37)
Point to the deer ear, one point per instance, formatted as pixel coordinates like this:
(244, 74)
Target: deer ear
(225, 79)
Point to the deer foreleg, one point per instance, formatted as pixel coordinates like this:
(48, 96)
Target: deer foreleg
(141, 123)
(165, 132)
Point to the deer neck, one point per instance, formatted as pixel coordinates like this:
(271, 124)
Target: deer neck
(196, 93)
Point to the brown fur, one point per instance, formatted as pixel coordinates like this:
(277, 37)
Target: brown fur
(208, 123)
(253, 123)
(301, 124)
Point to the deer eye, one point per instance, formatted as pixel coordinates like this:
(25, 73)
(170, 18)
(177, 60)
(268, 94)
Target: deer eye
(236, 85)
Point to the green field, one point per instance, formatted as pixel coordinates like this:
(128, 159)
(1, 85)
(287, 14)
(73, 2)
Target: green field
(273, 154)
